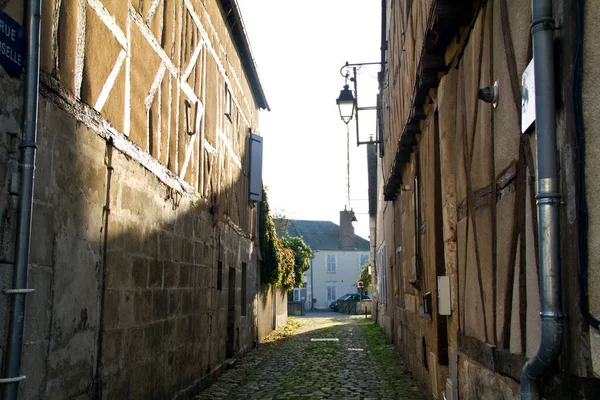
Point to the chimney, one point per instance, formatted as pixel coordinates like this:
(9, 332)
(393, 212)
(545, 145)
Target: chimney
(347, 237)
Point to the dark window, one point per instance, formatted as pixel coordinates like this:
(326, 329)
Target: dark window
(220, 276)
(425, 363)
(228, 103)
(243, 296)
(418, 220)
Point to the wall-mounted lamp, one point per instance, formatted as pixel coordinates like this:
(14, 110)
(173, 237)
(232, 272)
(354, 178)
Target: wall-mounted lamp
(489, 94)
(353, 221)
(348, 102)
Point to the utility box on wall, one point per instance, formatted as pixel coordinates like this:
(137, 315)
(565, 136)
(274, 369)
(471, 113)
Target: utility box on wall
(444, 298)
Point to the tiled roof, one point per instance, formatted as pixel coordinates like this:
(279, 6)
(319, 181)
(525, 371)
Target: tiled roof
(321, 235)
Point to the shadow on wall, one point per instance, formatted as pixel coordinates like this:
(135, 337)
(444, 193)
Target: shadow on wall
(131, 279)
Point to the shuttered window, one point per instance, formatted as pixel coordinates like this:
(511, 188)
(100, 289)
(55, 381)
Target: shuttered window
(256, 160)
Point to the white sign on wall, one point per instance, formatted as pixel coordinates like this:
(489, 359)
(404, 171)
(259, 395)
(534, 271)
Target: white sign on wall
(527, 97)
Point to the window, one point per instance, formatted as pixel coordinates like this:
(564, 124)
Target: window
(331, 263)
(244, 288)
(381, 276)
(220, 276)
(228, 102)
(256, 157)
(331, 293)
(364, 258)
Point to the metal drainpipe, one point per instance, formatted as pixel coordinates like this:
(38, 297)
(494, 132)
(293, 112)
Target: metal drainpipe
(12, 377)
(312, 287)
(382, 74)
(548, 198)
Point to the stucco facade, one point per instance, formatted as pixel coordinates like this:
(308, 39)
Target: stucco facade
(327, 284)
(144, 254)
(456, 198)
(338, 257)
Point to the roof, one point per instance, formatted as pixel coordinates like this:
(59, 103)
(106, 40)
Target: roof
(233, 18)
(322, 235)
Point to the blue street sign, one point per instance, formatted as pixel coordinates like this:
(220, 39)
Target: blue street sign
(12, 44)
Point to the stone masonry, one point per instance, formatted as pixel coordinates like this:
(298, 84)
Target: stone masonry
(144, 255)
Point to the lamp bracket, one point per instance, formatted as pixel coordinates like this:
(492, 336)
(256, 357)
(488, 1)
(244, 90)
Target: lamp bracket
(354, 65)
(368, 142)
(345, 72)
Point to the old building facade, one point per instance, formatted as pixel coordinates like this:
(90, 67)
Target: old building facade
(144, 255)
(456, 197)
(338, 257)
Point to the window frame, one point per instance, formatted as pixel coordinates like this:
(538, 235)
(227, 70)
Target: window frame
(329, 263)
(333, 292)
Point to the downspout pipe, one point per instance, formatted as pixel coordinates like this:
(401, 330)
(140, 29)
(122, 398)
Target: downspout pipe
(548, 199)
(14, 346)
(383, 49)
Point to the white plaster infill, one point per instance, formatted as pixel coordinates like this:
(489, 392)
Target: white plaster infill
(53, 92)
(149, 36)
(153, 8)
(110, 81)
(220, 66)
(227, 143)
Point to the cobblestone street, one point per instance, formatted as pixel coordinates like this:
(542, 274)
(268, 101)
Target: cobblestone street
(330, 356)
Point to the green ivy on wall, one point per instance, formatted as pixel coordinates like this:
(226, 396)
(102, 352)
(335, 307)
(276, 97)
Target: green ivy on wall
(277, 266)
(302, 256)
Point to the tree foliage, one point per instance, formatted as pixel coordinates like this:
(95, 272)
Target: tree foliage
(268, 246)
(365, 277)
(302, 256)
(286, 277)
(281, 221)
(277, 266)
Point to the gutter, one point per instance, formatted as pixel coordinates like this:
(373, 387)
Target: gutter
(12, 377)
(548, 199)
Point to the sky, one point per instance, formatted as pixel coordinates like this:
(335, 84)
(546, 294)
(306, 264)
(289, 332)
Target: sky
(299, 48)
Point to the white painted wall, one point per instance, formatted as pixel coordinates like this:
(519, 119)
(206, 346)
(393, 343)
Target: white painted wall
(344, 278)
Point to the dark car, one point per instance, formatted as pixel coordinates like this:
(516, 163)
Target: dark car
(348, 296)
(334, 304)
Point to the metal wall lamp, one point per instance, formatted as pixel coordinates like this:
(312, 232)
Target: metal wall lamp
(348, 102)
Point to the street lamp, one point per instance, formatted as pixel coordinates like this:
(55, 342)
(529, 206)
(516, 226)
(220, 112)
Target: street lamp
(348, 102)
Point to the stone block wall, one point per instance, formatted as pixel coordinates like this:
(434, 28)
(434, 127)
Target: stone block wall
(141, 228)
(125, 273)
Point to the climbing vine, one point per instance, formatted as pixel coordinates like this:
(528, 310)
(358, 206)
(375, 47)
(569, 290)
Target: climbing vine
(302, 255)
(286, 277)
(277, 266)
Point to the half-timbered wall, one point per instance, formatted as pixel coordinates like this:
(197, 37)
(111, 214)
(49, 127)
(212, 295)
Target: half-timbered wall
(591, 104)
(141, 222)
(457, 198)
(166, 75)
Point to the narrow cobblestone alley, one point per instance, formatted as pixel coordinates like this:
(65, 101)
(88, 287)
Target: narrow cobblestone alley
(330, 356)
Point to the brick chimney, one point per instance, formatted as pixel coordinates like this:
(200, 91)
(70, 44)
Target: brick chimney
(347, 237)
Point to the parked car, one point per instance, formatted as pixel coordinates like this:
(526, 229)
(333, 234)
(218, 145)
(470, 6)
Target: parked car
(334, 304)
(348, 296)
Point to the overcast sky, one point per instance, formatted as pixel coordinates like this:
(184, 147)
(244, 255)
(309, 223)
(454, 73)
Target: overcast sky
(299, 48)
